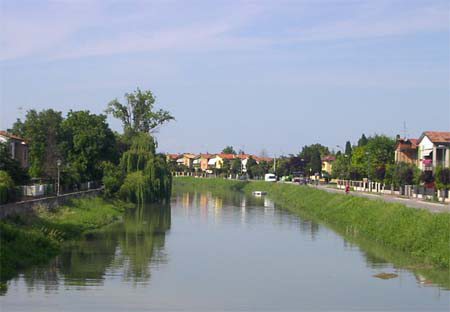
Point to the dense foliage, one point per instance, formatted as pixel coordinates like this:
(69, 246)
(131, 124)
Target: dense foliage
(43, 132)
(87, 142)
(7, 191)
(138, 114)
(83, 148)
(145, 174)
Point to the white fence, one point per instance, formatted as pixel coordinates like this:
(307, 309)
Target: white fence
(412, 191)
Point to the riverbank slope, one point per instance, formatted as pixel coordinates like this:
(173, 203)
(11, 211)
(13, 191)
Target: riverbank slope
(418, 233)
(34, 239)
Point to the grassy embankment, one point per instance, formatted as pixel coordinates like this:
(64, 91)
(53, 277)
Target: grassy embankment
(31, 240)
(418, 233)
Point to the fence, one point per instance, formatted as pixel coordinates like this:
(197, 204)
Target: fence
(412, 191)
(40, 190)
(47, 203)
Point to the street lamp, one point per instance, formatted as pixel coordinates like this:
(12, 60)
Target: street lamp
(58, 163)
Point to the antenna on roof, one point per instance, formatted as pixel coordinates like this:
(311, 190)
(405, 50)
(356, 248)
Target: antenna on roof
(404, 130)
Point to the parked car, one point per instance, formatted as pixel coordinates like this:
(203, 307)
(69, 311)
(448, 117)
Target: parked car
(270, 177)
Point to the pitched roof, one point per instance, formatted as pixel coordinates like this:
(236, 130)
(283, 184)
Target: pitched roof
(173, 156)
(11, 136)
(207, 156)
(243, 156)
(402, 143)
(226, 156)
(436, 136)
(329, 158)
(261, 158)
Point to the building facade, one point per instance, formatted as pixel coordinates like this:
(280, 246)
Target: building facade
(18, 147)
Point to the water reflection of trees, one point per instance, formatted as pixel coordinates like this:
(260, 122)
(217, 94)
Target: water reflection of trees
(129, 248)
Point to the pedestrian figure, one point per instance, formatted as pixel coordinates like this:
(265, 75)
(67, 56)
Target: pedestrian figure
(347, 189)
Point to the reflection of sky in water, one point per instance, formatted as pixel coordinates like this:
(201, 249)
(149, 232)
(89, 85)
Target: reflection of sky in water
(214, 253)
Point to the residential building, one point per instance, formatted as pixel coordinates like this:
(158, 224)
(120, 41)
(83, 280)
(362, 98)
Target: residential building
(18, 147)
(433, 150)
(204, 158)
(406, 151)
(188, 160)
(244, 158)
(327, 163)
(220, 158)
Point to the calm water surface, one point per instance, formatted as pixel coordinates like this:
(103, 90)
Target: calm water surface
(219, 253)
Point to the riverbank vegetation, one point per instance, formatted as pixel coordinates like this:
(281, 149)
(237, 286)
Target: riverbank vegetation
(34, 239)
(81, 147)
(422, 235)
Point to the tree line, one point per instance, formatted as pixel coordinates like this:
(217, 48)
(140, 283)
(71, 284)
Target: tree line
(85, 148)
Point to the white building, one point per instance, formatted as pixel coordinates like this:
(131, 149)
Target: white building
(433, 150)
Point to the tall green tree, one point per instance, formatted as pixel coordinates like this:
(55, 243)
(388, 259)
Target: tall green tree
(341, 167)
(363, 140)
(251, 163)
(380, 152)
(316, 162)
(236, 166)
(147, 175)
(228, 150)
(314, 151)
(348, 148)
(87, 142)
(43, 132)
(138, 114)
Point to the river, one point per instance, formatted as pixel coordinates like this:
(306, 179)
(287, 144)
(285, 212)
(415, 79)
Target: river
(225, 252)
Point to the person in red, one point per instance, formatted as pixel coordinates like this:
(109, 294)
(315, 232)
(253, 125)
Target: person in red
(347, 189)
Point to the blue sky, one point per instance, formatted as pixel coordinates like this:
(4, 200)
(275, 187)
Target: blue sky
(272, 75)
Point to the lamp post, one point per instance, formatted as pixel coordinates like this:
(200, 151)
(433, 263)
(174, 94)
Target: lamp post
(58, 163)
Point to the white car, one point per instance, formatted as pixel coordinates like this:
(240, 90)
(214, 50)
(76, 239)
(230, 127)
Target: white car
(270, 177)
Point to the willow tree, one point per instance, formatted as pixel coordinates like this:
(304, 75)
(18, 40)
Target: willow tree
(147, 176)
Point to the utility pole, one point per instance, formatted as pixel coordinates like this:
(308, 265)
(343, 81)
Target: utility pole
(58, 163)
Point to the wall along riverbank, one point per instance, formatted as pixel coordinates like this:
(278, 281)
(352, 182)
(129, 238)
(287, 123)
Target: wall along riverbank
(419, 234)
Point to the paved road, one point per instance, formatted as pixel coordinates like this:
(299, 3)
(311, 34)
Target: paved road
(409, 202)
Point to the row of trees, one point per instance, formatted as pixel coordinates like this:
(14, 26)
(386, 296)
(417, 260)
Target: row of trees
(88, 150)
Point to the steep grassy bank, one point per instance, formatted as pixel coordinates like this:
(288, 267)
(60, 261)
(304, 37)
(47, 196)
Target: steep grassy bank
(420, 234)
(31, 240)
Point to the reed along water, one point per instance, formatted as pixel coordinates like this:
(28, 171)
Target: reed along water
(225, 252)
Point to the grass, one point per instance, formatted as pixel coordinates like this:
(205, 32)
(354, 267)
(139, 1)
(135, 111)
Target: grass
(417, 233)
(35, 239)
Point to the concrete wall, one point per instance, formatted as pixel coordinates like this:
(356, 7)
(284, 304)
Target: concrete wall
(47, 203)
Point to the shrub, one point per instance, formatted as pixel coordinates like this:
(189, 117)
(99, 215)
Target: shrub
(7, 189)
(442, 177)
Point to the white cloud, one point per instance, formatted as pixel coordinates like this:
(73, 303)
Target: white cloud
(67, 29)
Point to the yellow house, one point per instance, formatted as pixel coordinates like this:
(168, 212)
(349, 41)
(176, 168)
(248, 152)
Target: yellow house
(188, 160)
(327, 163)
(219, 158)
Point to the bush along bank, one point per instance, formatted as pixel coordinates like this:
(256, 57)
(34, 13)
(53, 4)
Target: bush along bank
(32, 240)
(418, 233)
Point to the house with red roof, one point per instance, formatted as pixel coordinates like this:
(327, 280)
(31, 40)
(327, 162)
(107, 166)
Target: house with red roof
(327, 163)
(18, 147)
(406, 151)
(204, 158)
(433, 149)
